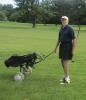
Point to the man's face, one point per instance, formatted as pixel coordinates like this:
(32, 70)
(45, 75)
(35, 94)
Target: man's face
(64, 21)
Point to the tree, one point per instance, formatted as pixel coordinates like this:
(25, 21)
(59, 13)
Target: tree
(18, 16)
(2, 16)
(1, 6)
(46, 11)
(74, 9)
(30, 6)
(8, 10)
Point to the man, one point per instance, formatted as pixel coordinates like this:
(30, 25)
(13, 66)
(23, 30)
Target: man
(66, 43)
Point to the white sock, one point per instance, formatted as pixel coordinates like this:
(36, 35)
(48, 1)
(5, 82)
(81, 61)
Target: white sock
(67, 77)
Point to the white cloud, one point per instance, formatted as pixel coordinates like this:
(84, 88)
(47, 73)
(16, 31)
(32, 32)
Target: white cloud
(7, 2)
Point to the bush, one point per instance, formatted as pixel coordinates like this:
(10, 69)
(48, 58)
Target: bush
(3, 16)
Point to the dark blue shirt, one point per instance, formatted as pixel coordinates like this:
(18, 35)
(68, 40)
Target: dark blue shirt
(66, 34)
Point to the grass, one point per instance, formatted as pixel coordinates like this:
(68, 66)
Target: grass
(43, 84)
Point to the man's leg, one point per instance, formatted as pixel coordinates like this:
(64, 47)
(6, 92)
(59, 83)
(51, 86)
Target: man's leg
(63, 70)
(65, 64)
(66, 67)
(62, 63)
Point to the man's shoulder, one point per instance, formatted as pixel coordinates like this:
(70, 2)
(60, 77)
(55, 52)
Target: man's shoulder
(69, 26)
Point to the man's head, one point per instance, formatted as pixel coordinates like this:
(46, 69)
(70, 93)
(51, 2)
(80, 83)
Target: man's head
(64, 20)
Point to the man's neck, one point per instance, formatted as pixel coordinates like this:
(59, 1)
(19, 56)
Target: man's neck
(64, 25)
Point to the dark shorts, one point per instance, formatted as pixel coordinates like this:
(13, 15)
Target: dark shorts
(65, 51)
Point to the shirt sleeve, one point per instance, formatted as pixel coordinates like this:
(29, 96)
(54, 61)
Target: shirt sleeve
(72, 34)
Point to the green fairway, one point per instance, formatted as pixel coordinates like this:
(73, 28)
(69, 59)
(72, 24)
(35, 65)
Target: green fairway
(43, 84)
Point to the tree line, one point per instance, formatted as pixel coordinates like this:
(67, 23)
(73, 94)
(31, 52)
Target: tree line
(44, 11)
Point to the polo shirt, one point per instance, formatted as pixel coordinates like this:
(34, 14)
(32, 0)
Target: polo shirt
(66, 34)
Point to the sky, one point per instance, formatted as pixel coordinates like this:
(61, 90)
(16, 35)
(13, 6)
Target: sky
(7, 2)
